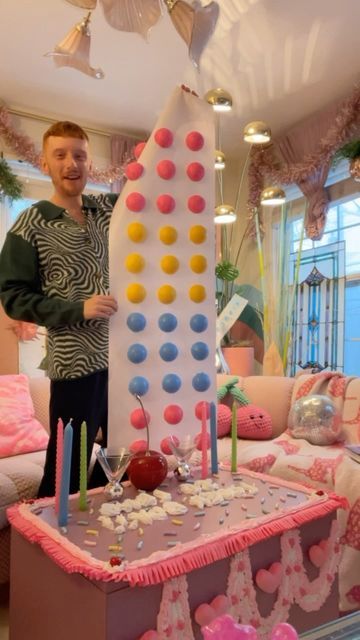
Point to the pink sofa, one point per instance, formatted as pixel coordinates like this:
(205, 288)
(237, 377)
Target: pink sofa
(326, 467)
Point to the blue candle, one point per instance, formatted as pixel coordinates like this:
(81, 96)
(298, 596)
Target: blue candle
(213, 438)
(65, 476)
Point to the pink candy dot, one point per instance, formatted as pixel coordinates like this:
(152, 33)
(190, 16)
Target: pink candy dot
(199, 409)
(164, 137)
(134, 170)
(173, 414)
(135, 201)
(139, 149)
(137, 446)
(165, 447)
(198, 440)
(165, 203)
(137, 418)
(195, 171)
(166, 169)
(196, 204)
(194, 141)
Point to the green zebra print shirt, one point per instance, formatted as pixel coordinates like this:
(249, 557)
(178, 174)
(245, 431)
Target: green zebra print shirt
(49, 265)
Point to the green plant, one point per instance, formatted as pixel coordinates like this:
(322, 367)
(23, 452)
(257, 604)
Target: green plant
(350, 150)
(10, 185)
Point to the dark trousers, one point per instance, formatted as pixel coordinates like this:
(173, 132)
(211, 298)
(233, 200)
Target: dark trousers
(82, 399)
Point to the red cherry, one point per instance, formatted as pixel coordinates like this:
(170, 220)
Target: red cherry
(139, 149)
(115, 561)
(195, 171)
(164, 137)
(194, 141)
(135, 201)
(147, 470)
(134, 170)
(196, 204)
(165, 203)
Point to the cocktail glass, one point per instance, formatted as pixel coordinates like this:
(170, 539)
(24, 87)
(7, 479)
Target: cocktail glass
(114, 464)
(182, 449)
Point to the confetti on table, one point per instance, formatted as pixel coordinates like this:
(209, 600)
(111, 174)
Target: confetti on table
(114, 547)
(291, 495)
(169, 533)
(177, 522)
(140, 545)
(198, 514)
(92, 532)
(197, 526)
(172, 543)
(90, 543)
(83, 523)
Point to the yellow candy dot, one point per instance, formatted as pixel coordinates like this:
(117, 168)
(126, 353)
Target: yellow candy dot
(137, 232)
(197, 293)
(134, 263)
(198, 263)
(168, 235)
(197, 234)
(169, 264)
(166, 294)
(135, 292)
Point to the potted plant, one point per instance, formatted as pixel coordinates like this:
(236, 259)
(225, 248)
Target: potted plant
(351, 151)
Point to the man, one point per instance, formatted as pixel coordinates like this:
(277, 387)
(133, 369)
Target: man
(54, 272)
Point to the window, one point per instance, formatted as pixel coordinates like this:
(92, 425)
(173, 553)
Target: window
(342, 333)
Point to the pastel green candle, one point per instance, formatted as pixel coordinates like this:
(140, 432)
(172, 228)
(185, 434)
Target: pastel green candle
(83, 467)
(234, 438)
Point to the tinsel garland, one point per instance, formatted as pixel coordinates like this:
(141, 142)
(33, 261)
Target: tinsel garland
(263, 164)
(25, 149)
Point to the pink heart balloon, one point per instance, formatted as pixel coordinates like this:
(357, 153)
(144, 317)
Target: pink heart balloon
(225, 627)
(204, 614)
(317, 555)
(284, 631)
(268, 580)
(220, 604)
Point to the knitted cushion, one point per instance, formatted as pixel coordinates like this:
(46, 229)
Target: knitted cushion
(223, 420)
(253, 423)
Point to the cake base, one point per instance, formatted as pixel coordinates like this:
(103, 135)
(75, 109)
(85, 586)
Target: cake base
(46, 602)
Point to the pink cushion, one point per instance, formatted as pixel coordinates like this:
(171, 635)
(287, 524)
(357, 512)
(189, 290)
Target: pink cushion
(20, 431)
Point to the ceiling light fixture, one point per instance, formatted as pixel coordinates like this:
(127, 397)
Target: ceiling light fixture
(224, 214)
(272, 196)
(219, 99)
(219, 160)
(257, 132)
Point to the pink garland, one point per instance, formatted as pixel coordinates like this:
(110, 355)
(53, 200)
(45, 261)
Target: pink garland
(25, 148)
(263, 164)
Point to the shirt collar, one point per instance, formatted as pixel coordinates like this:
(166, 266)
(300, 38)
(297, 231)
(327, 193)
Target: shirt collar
(50, 211)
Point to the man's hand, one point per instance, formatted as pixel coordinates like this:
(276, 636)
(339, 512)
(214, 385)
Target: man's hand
(99, 307)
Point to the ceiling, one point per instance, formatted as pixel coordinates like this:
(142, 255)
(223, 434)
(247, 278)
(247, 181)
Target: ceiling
(280, 59)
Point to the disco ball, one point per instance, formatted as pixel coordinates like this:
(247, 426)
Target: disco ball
(316, 419)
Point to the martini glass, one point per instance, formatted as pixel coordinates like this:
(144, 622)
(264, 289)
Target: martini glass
(114, 464)
(182, 449)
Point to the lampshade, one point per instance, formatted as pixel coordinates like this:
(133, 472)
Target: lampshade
(257, 132)
(224, 214)
(219, 159)
(272, 196)
(74, 50)
(219, 99)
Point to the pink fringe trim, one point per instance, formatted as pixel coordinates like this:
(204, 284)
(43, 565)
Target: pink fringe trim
(181, 560)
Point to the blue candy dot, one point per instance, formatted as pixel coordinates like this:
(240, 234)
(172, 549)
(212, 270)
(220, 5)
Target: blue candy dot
(137, 353)
(171, 383)
(201, 382)
(198, 322)
(199, 350)
(168, 351)
(167, 322)
(136, 322)
(138, 386)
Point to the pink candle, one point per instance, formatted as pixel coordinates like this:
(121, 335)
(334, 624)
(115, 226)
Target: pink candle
(59, 461)
(204, 442)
